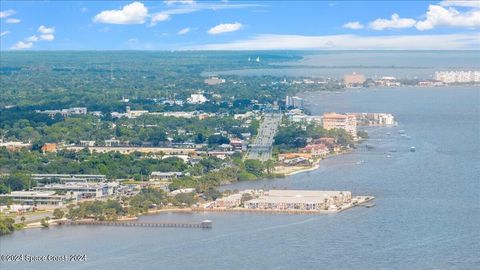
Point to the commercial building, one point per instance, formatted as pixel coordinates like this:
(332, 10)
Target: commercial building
(374, 119)
(165, 176)
(295, 102)
(214, 81)
(81, 190)
(197, 99)
(299, 200)
(458, 76)
(65, 112)
(87, 143)
(41, 199)
(65, 178)
(388, 81)
(347, 122)
(353, 80)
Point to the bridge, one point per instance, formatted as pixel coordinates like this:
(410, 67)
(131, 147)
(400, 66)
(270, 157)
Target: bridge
(205, 224)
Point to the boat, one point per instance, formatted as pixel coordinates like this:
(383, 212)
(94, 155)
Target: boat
(370, 205)
(413, 149)
(389, 156)
(368, 146)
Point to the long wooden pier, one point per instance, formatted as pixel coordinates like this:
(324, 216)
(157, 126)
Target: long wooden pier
(205, 224)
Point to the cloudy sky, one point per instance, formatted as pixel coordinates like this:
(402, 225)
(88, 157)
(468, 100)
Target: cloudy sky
(239, 25)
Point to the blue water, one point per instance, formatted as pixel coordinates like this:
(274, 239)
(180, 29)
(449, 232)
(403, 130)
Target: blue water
(427, 211)
(374, 64)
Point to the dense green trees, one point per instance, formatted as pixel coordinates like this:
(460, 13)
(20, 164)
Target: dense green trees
(291, 136)
(114, 165)
(15, 181)
(58, 213)
(6, 225)
(294, 136)
(98, 210)
(147, 197)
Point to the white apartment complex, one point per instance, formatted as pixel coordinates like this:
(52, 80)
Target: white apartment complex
(458, 76)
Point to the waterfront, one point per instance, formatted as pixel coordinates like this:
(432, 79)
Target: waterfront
(426, 216)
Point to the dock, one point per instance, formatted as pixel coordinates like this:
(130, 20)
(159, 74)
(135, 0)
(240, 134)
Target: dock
(205, 224)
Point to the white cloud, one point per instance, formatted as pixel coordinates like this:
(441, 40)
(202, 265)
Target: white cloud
(7, 13)
(159, 17)
(22, 45)
(462, 3)
(4, 33)
(134, 13)
(183, 31)
(225, 28)
(13, 20)
(46, 30)
(440, 16)
(186, 2)
(32, 39)
(46, 34)
(395, 22)
(47, 37)
(349, 42)
(353, 25)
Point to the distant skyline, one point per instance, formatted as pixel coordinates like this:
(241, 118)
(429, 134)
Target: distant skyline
(239, 25)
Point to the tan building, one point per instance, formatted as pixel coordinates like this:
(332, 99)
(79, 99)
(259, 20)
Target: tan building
(347, 122)
(353, 80)
(49, 148)
(317, 150)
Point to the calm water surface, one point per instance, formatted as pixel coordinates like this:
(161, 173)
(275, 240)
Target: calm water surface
(374, 64)
(427, 212)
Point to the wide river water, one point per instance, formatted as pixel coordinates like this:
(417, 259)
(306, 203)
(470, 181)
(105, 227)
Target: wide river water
(427, 211)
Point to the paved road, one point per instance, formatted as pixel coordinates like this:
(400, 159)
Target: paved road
(261, 148)
(34, 217)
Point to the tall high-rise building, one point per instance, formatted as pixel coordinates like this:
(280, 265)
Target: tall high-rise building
(296, 102)
(347, 122)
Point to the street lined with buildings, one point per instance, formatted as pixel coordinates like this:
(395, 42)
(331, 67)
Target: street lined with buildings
(261, 148)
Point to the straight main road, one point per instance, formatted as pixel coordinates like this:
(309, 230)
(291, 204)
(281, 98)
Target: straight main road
(261, 149)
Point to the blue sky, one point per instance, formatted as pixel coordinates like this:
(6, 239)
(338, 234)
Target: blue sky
(239, 25)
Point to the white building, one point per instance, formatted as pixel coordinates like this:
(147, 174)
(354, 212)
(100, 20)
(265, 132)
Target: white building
(63, 178)
(41, 199)
(458, 76)
(296, 102)
(214, 81)
(81, 190)
(197, 99)
(299, 200)
(166, 176)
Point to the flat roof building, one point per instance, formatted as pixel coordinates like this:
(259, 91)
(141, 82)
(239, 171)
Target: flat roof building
(299, 200)
(347, 122)
(165, 175)
(63, 178)
(44, 199)
(81, 189)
